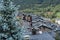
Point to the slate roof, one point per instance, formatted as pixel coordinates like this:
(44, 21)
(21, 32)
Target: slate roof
(57, 29)
(43, 36)
(37, 21)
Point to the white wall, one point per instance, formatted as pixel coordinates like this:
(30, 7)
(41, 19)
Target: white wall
(57, 21)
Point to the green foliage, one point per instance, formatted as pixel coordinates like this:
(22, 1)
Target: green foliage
(57, 36)
(9, 26)
(58, 14)
(41, 7)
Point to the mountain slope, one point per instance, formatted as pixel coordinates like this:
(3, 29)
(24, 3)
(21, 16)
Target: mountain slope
(25, 3)
(46, 8)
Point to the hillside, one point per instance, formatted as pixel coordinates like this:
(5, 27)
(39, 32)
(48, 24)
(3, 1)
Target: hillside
(46, 8)
(31, 3)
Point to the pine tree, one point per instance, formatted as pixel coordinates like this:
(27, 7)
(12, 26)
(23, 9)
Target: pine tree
(9, 26)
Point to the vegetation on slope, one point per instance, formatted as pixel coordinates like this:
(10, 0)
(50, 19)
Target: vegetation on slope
(46, 8)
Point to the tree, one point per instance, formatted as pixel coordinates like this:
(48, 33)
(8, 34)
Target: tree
(9, 26)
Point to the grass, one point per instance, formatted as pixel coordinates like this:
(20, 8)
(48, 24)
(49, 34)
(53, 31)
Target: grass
(58, 14)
